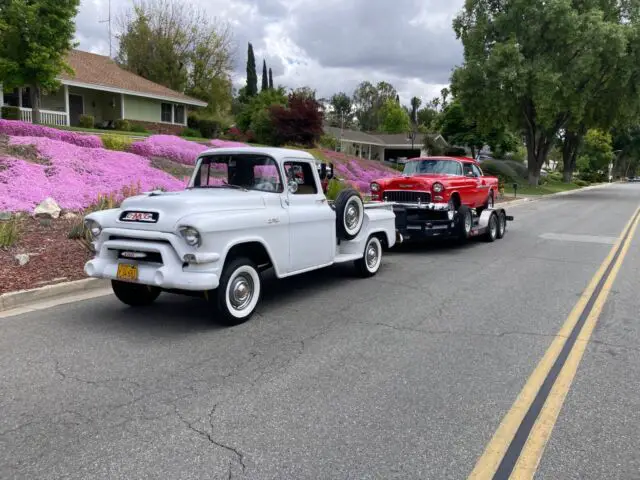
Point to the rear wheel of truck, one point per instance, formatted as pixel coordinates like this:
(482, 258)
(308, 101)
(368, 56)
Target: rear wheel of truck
(239, 291)
(369, 264)
(134, 294)
(349, 214)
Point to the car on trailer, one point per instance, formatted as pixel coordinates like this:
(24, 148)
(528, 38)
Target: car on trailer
(245, 209)
(438, 197)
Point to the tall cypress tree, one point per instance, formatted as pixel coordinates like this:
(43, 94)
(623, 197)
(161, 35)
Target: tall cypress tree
(270, 80)
(252, 76)
(265, 80)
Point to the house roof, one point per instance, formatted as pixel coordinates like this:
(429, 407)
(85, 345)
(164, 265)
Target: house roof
(102, 73)
(381, 139)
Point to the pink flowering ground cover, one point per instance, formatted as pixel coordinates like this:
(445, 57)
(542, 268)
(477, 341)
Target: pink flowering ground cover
(23, 129)
(177, 149)
(356, 171)
(74, 176)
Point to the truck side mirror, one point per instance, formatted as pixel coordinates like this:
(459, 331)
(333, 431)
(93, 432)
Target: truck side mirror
(323, 171)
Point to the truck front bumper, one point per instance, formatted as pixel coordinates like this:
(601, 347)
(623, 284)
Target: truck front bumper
(193, 271)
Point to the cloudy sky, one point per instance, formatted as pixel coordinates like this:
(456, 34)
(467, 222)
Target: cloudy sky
(330, 45)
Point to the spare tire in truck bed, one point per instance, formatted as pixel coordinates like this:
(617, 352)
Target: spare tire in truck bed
(349, 214)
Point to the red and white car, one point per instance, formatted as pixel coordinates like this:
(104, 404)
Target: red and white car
(443, 196)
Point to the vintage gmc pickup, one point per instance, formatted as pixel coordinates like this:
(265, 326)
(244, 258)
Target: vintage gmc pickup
(245, 209)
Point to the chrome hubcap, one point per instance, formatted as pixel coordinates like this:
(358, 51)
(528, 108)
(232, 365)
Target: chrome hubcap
(502, 223)
(490, 203)
(467, 223)
(241, 291)
(451, 212)
(372, 255)
(493, 227)
(351, 216)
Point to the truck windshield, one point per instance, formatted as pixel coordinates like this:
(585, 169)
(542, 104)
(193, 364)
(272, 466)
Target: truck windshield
(245, 171)
(441, 167)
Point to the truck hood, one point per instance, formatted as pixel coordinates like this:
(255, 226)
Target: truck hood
(170, 207)
(411, 182)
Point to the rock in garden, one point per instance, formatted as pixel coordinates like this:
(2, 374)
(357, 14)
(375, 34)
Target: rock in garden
(5, 216)
(70, 215)
(22, 259)
(47, 209)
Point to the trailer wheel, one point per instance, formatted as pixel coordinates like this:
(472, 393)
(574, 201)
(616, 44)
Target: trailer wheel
(349, 214)
(492, 228)
(464, 223)
(502, 224)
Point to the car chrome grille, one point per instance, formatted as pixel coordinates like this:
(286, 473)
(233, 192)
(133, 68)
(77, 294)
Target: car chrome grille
(407, 196)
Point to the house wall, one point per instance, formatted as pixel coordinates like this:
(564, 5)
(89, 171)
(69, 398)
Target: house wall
(144, 109)
(53, 101)
(103, 106)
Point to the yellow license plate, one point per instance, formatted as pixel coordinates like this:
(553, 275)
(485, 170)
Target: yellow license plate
(127, 272)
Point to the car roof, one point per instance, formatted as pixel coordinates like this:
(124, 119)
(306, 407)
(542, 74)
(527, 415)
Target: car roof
(459, 159)
(276, 153)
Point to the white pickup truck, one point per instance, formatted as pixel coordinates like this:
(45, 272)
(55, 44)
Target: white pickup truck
(245, 209)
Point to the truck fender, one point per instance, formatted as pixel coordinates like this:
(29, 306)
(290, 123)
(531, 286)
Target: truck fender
(251, 239)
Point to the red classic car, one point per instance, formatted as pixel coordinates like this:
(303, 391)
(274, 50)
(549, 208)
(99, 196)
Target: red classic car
(437, 196)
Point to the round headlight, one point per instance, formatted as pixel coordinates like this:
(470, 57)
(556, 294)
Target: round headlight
(94, 228)
(191, 236)
(375, 187)
(438, 187)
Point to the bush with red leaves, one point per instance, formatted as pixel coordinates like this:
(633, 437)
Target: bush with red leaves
(236, 135)
(299, 123)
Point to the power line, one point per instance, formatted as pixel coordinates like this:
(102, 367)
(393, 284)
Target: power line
(108, 20)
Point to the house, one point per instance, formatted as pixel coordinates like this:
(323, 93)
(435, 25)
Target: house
(383, 147)
(99, 87)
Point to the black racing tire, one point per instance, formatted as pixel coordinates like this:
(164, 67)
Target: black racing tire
(349, 209)
(369, 264)
(464, 223)
(238, 293)
(134, 294)
(502, 224)
(492, 228)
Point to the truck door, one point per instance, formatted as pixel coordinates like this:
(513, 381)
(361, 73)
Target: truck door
(311, 219)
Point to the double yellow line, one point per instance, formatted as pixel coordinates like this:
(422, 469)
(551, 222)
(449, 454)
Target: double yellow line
(516, 448)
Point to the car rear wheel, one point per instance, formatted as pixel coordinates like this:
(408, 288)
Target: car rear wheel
(238, 294)
(134, 294)
(369, 264)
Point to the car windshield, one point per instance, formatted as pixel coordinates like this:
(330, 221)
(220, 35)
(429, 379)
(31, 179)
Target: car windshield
(242, 171)
(442, 167)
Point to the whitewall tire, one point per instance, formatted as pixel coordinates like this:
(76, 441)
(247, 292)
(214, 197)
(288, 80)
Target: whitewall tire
(369, 264)
(239, 291)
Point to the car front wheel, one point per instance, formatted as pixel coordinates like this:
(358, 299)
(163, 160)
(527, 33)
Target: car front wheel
(369, 264)
(238, 294)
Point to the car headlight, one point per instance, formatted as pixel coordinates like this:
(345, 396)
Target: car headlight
(191, 236)
(375, 187)
(438, 187)
(94, 228)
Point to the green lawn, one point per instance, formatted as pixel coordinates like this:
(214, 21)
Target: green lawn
(549, 187)
(102, 131)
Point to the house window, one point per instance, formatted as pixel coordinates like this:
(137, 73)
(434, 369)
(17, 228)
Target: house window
(11, 98)
(26, 98)
(165, 116)
(178, 116)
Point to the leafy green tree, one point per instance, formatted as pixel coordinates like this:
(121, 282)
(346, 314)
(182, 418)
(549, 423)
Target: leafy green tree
(626, 144)
(265, 80)
(460, 129)
(252, 76)
(427, 117)
(394, 118)
(368, 99)
(597, 151)
(415, 106)
(342, 110)
(270, 79)
(529, 63)
(258, 103)
(35, 37)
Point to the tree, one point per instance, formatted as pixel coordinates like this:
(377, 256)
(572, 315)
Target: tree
(427, 117)
(257, 103)
(530, 63)
(393, 118)
(460, 129)
(265, 80)
(341, 110)
(35, 38)
(270, 79)
(626, 144)
(298, 123)
(597, 151)
(180, 47)
(368, 100)
(252, 76)
(415, 106)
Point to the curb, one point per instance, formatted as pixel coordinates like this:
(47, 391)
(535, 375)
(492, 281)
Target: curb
(535, 198)
(22, 298)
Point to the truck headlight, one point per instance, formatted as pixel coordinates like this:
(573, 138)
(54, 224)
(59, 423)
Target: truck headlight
(94, 228)
(191, 236)
(438, 187)
(375, 187)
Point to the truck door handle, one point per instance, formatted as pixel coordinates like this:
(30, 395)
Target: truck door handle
(322, 200)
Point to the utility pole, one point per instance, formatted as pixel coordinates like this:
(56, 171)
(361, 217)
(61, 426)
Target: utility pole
(108, 20)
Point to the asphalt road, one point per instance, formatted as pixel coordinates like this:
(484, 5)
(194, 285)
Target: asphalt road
(406, 375)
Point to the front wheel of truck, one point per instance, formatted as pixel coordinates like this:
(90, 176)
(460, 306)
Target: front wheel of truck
(369, 264)
(238, 294)
(134, 294)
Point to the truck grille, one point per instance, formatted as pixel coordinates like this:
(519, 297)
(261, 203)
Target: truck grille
(407, 196)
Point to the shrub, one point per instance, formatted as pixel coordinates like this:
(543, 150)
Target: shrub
(262, 127)
(555, 176)
(328, 141)
(10, 113)
(9, 232)
(581, 183)
(87, 121)
(504, 170)
(455, 152)
(122, 125)
(192, 120)
(209, 127)
(119, 143)
(334, 188)
(300, 122)
(190, 132)
(137, 128)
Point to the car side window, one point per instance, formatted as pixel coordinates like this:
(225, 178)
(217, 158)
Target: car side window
(468, 171)
(476, 171)
(302, 173)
